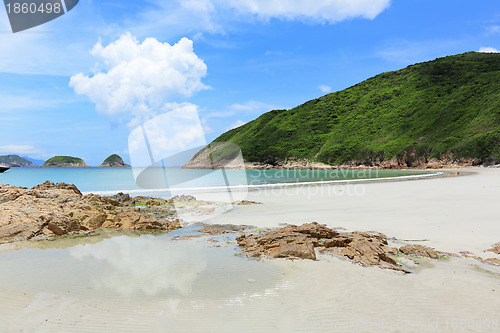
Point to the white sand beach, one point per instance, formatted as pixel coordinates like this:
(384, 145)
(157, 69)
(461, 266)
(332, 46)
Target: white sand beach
(149, 284)
(452, 214)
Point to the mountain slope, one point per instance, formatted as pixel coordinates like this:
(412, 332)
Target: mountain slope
(15, 161)
(446, 107)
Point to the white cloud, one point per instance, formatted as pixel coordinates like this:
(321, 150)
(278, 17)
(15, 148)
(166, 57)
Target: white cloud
(149, 265)
(214, 16)
(330, 11)
(29, 102)
(18, 149)
(253, 106)
(237, 124)
(493, 29)
(140, 78)
(488, 50)
(325, 89)
(177, 130)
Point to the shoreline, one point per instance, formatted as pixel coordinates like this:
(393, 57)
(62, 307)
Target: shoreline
(443, 173)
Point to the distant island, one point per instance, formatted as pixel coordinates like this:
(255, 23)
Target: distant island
(114, 161)
(15, 161)
(64, 161)
(432, 114)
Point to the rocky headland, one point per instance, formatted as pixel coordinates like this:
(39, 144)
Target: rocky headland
(15, 161)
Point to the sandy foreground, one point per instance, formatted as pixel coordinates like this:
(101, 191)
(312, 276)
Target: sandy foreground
(451, 213)
(156, 284)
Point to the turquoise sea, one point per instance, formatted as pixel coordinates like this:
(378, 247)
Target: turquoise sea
(112, 180)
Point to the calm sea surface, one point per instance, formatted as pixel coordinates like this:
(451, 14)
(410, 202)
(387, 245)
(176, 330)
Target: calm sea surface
(122, 179)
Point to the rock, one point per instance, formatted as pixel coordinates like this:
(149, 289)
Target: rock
(278, 244)
(367, 251)
(246, 203)
(339, 241)
(183, 198)
(52, 209)
(493, 261)
(316, 230)
(419, 250)
(495, 248)
(60, 186)
(219, 229)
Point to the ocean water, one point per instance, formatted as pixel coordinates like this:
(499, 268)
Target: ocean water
(113, 180)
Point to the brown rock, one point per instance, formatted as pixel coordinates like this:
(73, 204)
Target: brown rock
(56, 209)
(246, 203)
(495, 248)
(494, 261)
(219, 229)
(316, 230)
(419, 250)
(367, 251)
(339, 241)
(282, 243)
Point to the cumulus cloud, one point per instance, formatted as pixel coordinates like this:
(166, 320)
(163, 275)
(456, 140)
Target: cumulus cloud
(168, 134)
(488, 50)
(330, 11)
(138, 79)
(325, 89)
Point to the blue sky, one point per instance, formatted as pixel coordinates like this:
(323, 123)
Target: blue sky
(247, 57)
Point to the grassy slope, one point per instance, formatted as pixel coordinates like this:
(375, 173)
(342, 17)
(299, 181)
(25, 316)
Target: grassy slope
(64, 160)
(449, 105)
(113, 159)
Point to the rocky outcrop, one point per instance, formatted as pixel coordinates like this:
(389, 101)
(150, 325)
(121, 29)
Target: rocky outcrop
(52, 209)
(217, 155)
(491, 261)
(220, 229)
(495, 248)
(419, 250)
(407, 161)
(114, 161)
(301, 242)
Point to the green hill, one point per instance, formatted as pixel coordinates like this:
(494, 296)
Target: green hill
(449, 107)
(64, 161)
(114, 161)
(15, 161)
